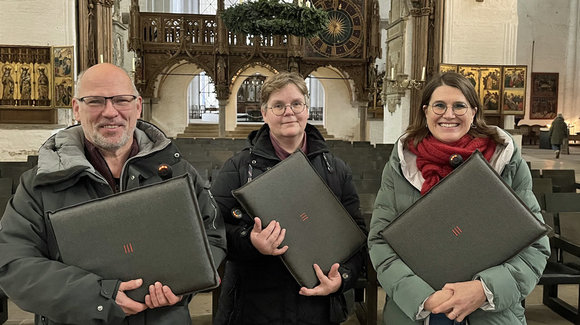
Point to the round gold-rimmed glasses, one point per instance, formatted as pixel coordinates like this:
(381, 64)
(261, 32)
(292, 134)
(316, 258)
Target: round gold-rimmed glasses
(459, 108)
(280, 109)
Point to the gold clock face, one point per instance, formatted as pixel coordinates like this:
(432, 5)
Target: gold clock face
(344, 32)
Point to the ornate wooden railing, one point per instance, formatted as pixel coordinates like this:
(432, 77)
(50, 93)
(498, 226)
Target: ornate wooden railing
(162, 40)
(198, 30)
(163, 28)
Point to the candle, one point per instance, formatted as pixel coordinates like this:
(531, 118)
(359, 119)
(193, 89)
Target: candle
(307, 3)
(423, 74)
(101, 58)
(392, 73)
(133, 64)
(300, 3)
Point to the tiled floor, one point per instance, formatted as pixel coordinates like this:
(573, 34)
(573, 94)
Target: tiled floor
(535, 311)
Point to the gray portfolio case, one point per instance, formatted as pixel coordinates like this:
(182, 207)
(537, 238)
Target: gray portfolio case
(470, 221)
(153, 232)
(318, 228)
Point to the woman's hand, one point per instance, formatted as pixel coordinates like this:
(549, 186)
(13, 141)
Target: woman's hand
(328, 284)
(467, 297)
(437, 298)
(268, 239)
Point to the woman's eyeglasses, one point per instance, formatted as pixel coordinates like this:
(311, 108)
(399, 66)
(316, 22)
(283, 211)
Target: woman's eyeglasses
(280, 109)
(458, 108)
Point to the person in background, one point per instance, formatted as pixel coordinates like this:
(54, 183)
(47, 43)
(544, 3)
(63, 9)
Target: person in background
(257, 288)
(450, 122)
(110, 151)
(558, 134)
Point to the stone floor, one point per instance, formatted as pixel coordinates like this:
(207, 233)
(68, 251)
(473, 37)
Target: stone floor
(536, 312)
(200, 308)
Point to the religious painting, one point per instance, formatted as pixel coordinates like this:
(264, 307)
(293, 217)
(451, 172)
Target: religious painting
(514, 101)
(514, 90)
(443, 67)
(544, 95)
(543, 108)
(63, 58)
(63, 92)
(63, 70)
(43, 78)
(9, 83)
(22, 83)
(24, 89)
(490, 88)
(472, 74)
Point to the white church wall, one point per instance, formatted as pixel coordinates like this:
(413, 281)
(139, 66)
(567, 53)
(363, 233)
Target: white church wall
(48, 25)
(480, 32)
(42, 25)
(396, 122)
(547, 42)
(375, 131)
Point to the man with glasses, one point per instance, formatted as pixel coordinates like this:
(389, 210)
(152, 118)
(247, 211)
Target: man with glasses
(257, 288)
(110, 151)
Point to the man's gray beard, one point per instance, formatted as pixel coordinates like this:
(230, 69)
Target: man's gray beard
(104, 144)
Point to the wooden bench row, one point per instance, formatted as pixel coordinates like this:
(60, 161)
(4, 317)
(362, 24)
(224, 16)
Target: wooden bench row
(562, 213)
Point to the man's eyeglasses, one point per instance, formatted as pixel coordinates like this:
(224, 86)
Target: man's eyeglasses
(280, 109)
(458, 108)
(120, 102)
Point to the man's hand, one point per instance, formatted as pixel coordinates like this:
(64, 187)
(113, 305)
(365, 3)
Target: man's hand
(160, 296)
(328, 284)
(437, 298)
(467, 297)
(267, 240)
(129, 306)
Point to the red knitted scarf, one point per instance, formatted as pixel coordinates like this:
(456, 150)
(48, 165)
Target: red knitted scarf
(433, 156)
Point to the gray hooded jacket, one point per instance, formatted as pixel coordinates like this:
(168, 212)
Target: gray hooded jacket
(31, 274)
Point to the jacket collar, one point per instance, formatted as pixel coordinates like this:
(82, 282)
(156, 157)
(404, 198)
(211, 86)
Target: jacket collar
(259, 142)
(408, 161)
(62, 156)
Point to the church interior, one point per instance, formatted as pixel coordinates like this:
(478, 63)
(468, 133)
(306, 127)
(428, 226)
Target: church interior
(199, 69)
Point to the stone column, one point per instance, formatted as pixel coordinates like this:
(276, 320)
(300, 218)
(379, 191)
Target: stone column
(95, 32)
(222, 117)
(362, 114)
(419, 51)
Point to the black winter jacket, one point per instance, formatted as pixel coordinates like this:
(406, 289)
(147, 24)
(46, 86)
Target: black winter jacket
(258, 289)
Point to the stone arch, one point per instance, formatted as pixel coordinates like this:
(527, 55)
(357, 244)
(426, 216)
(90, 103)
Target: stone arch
(341, 116)
(169, 104)
(239, 77)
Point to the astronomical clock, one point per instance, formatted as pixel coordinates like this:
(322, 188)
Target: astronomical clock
(343, 36)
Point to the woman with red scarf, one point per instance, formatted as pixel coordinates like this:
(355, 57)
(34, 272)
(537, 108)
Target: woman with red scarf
(450, 122)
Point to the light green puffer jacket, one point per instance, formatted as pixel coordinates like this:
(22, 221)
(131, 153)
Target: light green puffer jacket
(509, 283)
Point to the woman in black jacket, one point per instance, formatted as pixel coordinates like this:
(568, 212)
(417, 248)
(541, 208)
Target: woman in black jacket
(257, 288)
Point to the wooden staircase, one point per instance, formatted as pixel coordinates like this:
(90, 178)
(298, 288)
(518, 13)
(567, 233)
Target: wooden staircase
(206, 130)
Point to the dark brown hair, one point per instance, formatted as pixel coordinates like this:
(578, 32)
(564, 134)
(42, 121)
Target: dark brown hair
(418, 130)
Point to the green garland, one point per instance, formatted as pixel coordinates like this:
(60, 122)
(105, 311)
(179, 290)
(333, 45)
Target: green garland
(272, 17)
